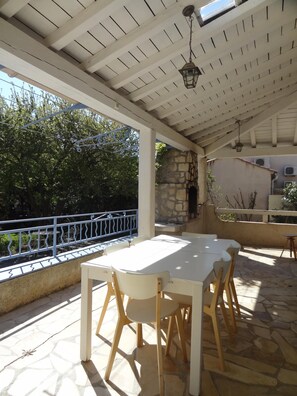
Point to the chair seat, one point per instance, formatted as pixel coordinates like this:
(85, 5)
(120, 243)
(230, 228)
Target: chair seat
(144, 311)
(145, 305)
(180, 298)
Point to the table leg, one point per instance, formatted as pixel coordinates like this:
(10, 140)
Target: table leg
(196, 340)
(86, 315)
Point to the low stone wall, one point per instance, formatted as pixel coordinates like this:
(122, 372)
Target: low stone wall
(247, 233)
(27, 288)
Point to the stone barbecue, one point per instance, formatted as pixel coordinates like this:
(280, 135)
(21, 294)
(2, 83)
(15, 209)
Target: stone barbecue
(177, 187)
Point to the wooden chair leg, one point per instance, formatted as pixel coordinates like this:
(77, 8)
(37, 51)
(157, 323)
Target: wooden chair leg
(225, 316)
(115, 344)
(169, 335)
(181, 333)
(160, 360)
(235, 299)
(189, 315)
(139, 335)
(231, 308)
(109, 294)
(218, 341)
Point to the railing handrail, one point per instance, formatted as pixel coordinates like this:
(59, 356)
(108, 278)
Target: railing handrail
(32, 219)
(54, 235)
(265, 213)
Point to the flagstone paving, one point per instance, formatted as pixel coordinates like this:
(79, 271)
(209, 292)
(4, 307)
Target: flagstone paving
(39, 343)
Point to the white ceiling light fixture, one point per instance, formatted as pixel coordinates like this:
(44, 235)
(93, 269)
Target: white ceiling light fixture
(190, 71)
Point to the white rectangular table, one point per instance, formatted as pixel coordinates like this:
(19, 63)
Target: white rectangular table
(190, 271)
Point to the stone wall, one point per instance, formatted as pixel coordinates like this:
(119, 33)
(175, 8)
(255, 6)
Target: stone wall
(178, 173)
(32, 286)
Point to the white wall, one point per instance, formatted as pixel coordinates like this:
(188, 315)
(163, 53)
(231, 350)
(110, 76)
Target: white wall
(234, 174)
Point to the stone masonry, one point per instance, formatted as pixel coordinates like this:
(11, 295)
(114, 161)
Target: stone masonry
(177, 176)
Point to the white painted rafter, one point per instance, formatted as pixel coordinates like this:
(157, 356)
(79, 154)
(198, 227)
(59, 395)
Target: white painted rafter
(32, 59)
(267, 151)
(133, 38)
(248, 58)
(253, 94)
(273, 110)
(295, 135)
(274, 131)
(227, 20)
(227, 83)
(232, 45)
(85, 20)
(8, 8)
(226, 125)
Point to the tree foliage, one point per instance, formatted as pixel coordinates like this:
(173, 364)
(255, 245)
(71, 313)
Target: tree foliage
(43, 174)
(290, 197)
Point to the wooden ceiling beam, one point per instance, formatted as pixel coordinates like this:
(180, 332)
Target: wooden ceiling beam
(254, 122)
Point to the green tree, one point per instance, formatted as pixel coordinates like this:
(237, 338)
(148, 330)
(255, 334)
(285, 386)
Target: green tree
(42, 173)
(290, 197)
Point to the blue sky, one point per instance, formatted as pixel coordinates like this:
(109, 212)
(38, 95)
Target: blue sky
(6, 85)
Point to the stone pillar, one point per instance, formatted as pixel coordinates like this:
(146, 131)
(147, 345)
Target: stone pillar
(202, 179)
(146, 183)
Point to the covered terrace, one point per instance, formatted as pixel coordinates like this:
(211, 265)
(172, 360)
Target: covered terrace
(121, 59)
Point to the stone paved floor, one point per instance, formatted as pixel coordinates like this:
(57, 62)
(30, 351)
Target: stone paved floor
(39, 343)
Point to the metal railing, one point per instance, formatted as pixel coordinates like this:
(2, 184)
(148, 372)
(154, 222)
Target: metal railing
(50, 235)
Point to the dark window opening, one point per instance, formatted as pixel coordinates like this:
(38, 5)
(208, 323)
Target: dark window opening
(192, 202)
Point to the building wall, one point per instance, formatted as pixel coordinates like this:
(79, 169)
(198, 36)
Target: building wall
(233, 175)
(278, 164)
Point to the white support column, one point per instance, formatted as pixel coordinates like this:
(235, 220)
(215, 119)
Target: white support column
(146, 183)
(202, 179)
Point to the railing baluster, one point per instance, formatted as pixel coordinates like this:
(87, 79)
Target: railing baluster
(20, 242)
(55, 237)
(61, 231)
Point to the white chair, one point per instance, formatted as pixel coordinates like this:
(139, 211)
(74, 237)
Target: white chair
(195, 235)
(212, 299)
(110, 291)
(145, 305)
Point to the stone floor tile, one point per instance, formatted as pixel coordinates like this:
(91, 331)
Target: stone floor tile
(252, 364)
(239, 373)
(286, 391)
(256, 364)
(266, 346)
(208, 387)
(289, 352)
(288, 376)
(235, 388)
(262, 332)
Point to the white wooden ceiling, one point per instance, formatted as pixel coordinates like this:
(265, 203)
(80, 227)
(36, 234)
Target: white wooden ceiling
(121, 58)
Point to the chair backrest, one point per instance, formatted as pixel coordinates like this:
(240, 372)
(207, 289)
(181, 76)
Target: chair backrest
(233, 251)
(196, 235)
(116, 246)
(138, 285)
(220, 269)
